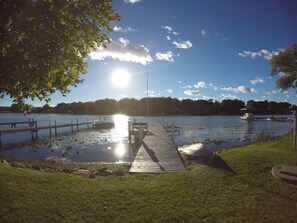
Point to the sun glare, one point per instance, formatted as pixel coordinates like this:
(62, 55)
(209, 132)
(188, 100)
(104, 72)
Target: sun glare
(120, 78)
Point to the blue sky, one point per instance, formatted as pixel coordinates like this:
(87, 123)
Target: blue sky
(197, 49)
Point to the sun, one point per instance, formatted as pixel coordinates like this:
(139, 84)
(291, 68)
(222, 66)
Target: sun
(120, 78)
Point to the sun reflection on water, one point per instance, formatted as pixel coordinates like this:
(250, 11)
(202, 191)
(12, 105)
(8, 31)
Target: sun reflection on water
(121, 127)
(120, 136)
(120, 150)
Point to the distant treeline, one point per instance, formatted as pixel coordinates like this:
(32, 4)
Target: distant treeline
(164, 106)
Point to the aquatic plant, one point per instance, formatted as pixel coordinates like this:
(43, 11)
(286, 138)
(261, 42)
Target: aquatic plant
(263, 136)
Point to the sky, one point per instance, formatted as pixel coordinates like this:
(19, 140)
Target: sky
(196, 49)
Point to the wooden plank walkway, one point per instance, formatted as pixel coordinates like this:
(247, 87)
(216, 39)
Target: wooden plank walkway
(157, 153)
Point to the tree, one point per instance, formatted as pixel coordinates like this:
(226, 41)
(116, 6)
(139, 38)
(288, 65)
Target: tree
(44, 44)
(285, 63)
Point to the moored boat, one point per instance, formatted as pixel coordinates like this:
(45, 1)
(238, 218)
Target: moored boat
(247, 116)
(103, 125)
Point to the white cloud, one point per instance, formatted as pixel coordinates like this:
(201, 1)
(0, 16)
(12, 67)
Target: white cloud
(203, 33)
(206, 98)
(168, 37)
(272, 92)
(131, 1)
(151, 93)
(213, 86)
(170, 91)
(187, 86)
(192, 92)
(168, 56)
(122, 96)
(179, 82)
(175, 33)
(123, 30)
(200, 84)
(253, 90)
(123, 50)
(229, 96)
(168, 28)
(183, 45)
(267, 55)
(257, 80)
(240, 89)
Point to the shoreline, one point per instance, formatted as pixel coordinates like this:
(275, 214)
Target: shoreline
(89, 170)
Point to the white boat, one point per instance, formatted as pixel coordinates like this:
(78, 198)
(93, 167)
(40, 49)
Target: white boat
(198, 152)
(247, 116)
(103, 125)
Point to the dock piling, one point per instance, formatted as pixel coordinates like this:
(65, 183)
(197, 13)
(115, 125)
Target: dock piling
(71, 126)
(56, 128)
(129, 131)
(140, 134)
(50, 129)
(172, 131)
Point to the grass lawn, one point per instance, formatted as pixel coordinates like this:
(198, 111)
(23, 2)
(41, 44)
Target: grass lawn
(237, 187)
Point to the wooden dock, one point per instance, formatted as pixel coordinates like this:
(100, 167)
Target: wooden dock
(157, 153)
(33, 128)
(14, 124)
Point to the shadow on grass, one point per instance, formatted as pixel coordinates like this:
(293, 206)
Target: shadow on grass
(219, 163)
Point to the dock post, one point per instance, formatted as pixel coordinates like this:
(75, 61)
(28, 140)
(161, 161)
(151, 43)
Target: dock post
(172, 131)
(129, 131)
(36, 132)
(77, 125)
(71, 126)
(56, 128)
(87, 123)
(50, 129)
(140, 134)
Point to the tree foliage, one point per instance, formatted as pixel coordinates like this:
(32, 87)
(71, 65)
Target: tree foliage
(44, 44)
(164, 106)
(285, 64)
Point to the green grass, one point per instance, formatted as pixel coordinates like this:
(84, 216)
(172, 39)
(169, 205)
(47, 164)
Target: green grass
(237, 187)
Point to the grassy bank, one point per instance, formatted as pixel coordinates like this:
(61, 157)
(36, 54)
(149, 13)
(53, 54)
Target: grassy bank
(237, 187)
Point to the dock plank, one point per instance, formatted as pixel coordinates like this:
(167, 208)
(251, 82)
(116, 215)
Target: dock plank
(157, 153)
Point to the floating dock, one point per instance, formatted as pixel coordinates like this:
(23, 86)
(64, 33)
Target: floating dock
(157, 153)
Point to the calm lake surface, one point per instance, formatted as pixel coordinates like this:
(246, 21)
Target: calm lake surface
(111, 145)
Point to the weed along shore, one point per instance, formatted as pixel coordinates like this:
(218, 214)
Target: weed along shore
(236, 187)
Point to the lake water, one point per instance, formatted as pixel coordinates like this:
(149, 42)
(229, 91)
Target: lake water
(111, 145)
